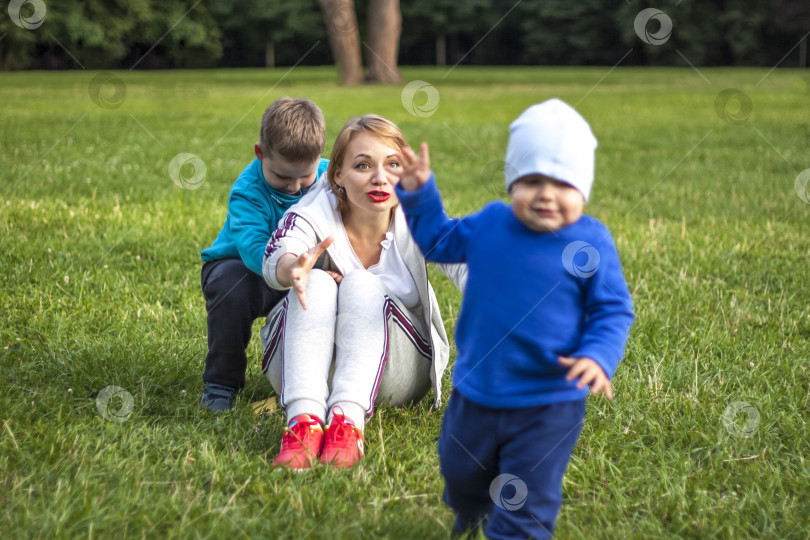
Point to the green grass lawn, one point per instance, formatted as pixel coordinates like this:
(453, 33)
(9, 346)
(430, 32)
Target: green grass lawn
(100, 250)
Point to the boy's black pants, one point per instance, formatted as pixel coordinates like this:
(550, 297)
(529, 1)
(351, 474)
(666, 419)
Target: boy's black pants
(235, 296)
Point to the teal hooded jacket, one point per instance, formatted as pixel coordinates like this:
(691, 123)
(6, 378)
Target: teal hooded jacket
(254, 209)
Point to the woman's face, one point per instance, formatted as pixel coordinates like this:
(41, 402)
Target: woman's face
(365, 174)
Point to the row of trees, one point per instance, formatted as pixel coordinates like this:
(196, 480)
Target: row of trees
(50, 34)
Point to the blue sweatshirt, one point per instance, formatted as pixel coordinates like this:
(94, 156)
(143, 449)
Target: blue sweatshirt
(254, 209)
(530, 297)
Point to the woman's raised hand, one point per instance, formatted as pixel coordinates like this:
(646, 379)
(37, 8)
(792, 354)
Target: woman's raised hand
(415, 169)
(301, 265)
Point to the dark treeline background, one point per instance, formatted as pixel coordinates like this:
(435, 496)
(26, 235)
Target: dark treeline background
(152, 34)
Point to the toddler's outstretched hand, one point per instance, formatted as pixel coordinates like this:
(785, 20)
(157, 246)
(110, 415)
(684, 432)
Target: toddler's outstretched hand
(415, 169)
(589, 373)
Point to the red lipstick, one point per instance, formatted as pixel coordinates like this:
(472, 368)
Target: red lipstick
(378, 196)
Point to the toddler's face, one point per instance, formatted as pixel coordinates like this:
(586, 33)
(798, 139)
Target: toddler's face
(544, 204)
(287, 176)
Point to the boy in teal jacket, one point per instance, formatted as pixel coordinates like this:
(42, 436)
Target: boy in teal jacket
(287, 164)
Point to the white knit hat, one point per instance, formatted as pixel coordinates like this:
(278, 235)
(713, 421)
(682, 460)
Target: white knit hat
(554, 140)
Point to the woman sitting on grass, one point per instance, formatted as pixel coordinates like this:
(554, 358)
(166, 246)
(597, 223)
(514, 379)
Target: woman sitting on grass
(364, 326)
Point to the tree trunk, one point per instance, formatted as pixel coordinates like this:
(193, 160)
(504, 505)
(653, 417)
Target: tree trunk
(344, 38)
(269, 54)
(803, 53)
(441, 49)
(384, 29)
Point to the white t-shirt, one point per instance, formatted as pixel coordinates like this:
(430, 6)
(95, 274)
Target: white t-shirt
(390, 269)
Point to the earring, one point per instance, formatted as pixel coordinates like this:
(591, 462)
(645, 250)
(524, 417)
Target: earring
(341, 190)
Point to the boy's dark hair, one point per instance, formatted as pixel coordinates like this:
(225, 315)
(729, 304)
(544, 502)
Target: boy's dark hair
(294, 129)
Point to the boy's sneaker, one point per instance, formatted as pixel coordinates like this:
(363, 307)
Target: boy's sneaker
(343, 443)
(217, 397)
(301, 444)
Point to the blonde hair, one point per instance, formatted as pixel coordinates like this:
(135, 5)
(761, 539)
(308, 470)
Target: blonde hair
(294, 129)
(368, 123)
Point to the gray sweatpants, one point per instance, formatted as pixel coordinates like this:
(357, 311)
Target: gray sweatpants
(355, 346)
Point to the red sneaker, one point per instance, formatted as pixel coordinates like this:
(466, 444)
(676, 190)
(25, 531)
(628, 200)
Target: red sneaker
(343, 443)
(301, 444)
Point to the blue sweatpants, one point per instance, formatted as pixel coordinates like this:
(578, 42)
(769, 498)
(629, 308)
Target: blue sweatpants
(503, 468)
